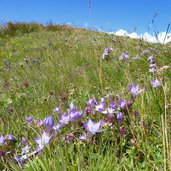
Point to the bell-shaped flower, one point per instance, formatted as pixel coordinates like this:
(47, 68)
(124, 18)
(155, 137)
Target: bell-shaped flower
(57, 110)
(49, 122)
(100, 107)
(119, 116)
(64, 119)
(134, 89)
(83, 136)
(109, 111)
(92, 127)
(122, 104)
(10, 137)
(91, 102)
(2, 140)
(25, 149)
(155, 83)
(74, 115)
(29, 119)
(42, 141)
(113, 105)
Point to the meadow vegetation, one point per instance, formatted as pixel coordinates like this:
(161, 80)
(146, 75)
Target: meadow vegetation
(77, 99)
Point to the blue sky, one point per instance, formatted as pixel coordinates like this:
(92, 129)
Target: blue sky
(109, 15)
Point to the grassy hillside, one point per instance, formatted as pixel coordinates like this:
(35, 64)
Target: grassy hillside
(44, 67)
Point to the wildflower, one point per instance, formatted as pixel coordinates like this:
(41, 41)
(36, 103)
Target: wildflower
(92, 127)
(29, 119)
(57, 109)
(87, 110)
(24, 140)
(155, 83)
(122, 131)
(69, 138)
(134, 90)
(91, 102)
(72, 107)
(83, 136)
(145, 51)
(124, 56)
(64, 119)
(100, 107)
(75, 115)
(153, 64)
(108, 111)
(34, 60)
(25, 149)
(119, 116)
(57, 127)
(113, 105)
(42, 141)
(106, 52)
(2, 140)
(122, 104)
(10, 137)
(2, 153)
(49, 122)
(152, 70)
(20, 159)
(150, 58)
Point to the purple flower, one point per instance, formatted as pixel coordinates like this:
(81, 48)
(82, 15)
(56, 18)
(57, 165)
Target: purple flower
(119, 116)
(155, 83)
(106, 52)
(83, 136)
(2, 140)
(10, 137)
(87, 110)
(145, 51)
(91, 102)
(29, 119)
(100, 107)
(25, 149)
(134, 90)
(34, 60)
(64, 119)
(150, 58)
(49, 122)
(57, 127)
(42, 141)
(75, 115)
(108, 111)
(57, 109)
(122, 104)
(2, 153)
(69, 138)
(124, 56)
(113, 105)
(122, 131)
(24, 140)
(20, 159)
(72, 107)
(92, 127)
(152, 70)
(153, 64)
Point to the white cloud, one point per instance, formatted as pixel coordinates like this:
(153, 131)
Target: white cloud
(146, 36)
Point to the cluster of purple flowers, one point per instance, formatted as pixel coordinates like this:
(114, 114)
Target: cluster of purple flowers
(152, 65)
(107, 52)
(112, 110)
(124, 56)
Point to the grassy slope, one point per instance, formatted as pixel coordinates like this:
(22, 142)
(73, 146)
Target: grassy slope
(69, 68)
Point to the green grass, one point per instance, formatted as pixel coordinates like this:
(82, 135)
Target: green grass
(70, 67)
